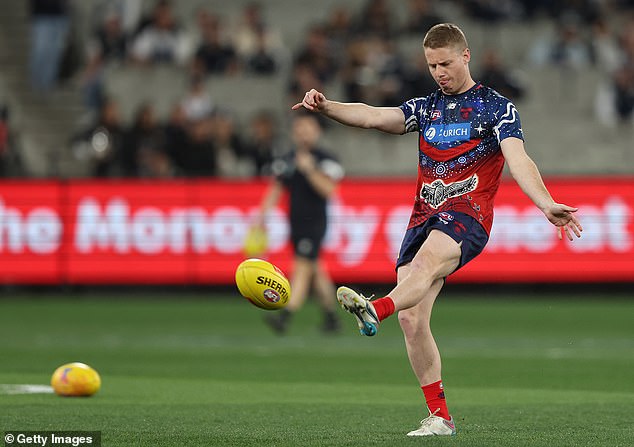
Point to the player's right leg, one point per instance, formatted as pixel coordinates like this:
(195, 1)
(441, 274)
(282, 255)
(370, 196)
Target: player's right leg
(361, 308)
(438, 257)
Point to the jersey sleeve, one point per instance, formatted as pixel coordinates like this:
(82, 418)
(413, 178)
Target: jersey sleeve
(409, 109)
(332, 168)
(282, 169)
(508, 121)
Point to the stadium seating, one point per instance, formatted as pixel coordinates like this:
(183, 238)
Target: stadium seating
(558, 113)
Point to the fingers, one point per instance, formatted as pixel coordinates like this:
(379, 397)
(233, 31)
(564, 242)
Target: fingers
(570, 228)
(568, 234)
(569, 209)
(575, 226)
(310, 101)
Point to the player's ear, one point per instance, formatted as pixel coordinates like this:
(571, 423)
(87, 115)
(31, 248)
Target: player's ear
(466, 55)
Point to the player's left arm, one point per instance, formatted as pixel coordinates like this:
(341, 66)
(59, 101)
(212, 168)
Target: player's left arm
(323, 182)
(526, 174)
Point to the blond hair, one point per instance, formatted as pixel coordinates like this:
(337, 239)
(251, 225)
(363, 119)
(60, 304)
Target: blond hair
(445, 35)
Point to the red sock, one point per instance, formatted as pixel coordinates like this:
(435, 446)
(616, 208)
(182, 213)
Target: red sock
(384, 307)
(435, 397)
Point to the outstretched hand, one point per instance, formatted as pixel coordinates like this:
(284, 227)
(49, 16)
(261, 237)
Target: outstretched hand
(313, 101)
(562, 217)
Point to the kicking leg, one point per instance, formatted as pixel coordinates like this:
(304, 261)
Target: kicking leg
(437, 258)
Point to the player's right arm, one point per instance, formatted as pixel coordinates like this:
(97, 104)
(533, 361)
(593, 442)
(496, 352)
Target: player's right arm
(386, 119)
(271, 197)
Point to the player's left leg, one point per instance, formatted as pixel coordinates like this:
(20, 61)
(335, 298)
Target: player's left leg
(422, 350)
(325, 289)
(303, 270)
(425, 361)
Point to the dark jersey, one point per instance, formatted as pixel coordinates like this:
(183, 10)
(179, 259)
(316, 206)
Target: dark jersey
(460, 161)
(307, 206)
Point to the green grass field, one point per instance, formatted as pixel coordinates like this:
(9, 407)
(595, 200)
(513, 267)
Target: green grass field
(192, 370)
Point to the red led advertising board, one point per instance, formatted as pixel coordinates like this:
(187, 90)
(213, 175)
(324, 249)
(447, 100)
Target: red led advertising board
(192, 232)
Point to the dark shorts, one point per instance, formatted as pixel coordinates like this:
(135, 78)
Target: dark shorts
(307, 240)
(459, 226)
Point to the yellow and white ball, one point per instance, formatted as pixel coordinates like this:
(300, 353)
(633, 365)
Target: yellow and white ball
(263, 284)
(75, 379)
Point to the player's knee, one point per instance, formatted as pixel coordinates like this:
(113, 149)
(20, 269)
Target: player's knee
(412, 323)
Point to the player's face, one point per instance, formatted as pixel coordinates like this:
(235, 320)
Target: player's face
(450, 68)
(306, 132)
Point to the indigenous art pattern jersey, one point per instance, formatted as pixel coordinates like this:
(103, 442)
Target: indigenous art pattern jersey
(459, 159)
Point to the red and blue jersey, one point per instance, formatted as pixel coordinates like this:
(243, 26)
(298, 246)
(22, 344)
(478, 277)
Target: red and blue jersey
(459, 159)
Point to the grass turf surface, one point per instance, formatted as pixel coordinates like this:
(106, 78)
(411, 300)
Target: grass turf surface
(205, 371)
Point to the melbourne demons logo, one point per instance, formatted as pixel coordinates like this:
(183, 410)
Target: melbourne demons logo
(437, 193)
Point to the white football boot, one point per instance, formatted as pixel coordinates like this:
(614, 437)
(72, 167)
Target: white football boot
(361, 308)
(434, 425)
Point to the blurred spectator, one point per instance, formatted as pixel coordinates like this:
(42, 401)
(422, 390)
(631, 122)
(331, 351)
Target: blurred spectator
(108, 44)
(614, 101)
(568, 49)
(160, 40)
(177, 142)
(256, 42)
(492, 11)
(144, 131)
(200, 158)
(604, 46)
(624, 92)
(214, 55)
(228, 148)
(417, 80)
(624, 76)
(154, 162)
(571, 49)
(303, 78)
(101, 144)
(586, 11)
(339, 29)
(375, 73)
(197, 103)
(50, 24)
(420, 17)
(10, 160)
(316, 54)
(261, 62)
(377, 19)
(261, 144)
(499, 78)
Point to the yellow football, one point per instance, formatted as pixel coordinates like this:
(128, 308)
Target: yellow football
(75, 379)
(263, 284)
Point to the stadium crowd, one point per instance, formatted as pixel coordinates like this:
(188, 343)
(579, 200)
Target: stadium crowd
(355, 48)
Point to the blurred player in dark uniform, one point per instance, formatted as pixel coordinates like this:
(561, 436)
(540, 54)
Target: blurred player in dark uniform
(466, 132)
(310, 176)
